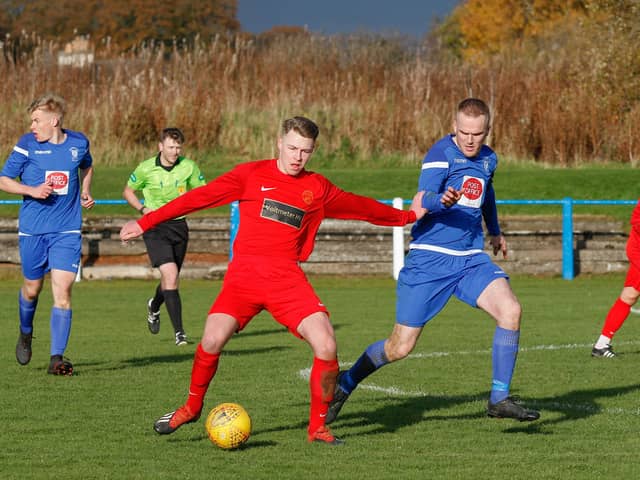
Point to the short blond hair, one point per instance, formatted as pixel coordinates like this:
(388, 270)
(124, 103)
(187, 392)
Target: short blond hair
(49, 102)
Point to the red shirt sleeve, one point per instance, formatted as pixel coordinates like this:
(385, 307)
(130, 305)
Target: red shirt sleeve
(635, 218)
(220, 191)
(349, 206)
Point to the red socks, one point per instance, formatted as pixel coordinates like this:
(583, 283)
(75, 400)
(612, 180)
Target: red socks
(322, 384)
(615, 318)
(204, 368)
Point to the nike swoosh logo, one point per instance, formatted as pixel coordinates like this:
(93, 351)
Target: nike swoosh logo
(266, 189)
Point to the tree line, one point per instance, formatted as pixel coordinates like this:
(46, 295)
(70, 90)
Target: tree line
(123, 23)
(562, 78)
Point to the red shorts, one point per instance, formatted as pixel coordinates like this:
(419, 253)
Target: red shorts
(633, 254)
(252, 284)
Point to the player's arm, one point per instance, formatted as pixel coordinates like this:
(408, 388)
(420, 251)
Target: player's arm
(86, 177)
(490, 215)
(350, 206)
(438, 196)
(130, 230)
(40, 192)
(14, 168)
(220, 191)
(129, 194)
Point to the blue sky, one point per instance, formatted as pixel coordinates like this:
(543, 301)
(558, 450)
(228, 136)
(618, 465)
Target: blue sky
(407, 17)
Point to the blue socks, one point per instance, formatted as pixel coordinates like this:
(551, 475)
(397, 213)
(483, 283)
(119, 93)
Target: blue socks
(504, 353)
(60, 330)
(27, 312)
(371, 360)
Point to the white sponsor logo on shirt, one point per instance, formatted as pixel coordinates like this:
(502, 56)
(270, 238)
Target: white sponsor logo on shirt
(472, 190)
(59, 180)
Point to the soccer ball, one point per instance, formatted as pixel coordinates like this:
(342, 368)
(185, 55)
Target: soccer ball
(228, 425)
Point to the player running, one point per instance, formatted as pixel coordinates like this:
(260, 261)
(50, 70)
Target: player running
(161, 179)
(446, 258)
(281, 207)
(55, 170)
(619, 311)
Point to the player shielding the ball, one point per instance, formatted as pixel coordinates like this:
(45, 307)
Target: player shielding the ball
(281, 207)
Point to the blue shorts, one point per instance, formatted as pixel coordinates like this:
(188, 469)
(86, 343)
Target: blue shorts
(428, 279)
(41, 253)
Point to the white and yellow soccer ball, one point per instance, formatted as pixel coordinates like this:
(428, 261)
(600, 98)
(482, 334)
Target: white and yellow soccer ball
(228, 425)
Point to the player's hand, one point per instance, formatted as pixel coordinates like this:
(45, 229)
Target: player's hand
(499, 244)
(451, 196)
(43, 190)
(416, 205)
(130, 230)
(86, 200)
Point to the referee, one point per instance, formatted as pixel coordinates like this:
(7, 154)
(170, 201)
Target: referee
(161, 179)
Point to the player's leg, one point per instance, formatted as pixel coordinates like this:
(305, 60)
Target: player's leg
(237, 300)
(499, 301)
(292, 301)
(160, 252)
(64, 259)
(618, 314)
(33, 263)
(171, 278)
(27, 304)
(219, 328)
(153, 310)
(421, 294)
(316, 329)
(402, 341)
(169, 273)
(60, 321)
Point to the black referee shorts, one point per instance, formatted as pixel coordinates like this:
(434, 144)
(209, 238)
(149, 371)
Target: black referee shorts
(167, 242)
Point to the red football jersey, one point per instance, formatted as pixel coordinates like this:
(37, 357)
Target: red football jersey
(635, 217)
(279, 214)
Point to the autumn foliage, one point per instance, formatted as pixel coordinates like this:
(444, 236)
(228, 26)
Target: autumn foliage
(122, 23)
(562, 78)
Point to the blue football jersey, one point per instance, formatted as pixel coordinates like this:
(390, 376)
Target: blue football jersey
(34, 162)
(457, 230)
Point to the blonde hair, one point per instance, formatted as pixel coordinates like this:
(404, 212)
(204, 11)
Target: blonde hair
(49, 102)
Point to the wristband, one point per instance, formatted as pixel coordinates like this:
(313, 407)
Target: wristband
(141, 209)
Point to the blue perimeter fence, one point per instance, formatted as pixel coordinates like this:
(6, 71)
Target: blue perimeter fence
(567, 203)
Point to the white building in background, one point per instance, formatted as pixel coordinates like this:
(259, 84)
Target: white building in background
(77, 53)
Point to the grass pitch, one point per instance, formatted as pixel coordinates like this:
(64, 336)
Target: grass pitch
(423, 417)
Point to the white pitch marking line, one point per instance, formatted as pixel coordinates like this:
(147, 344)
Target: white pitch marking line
(306, 372)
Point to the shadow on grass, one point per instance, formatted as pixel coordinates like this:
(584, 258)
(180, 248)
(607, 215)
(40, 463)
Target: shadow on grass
(408, 411)
(397, 414)
(184, 356)
(573, 405)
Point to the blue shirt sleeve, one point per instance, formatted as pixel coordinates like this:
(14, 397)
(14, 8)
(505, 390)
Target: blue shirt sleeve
(14, 166)
(435, 168)
(490, 211)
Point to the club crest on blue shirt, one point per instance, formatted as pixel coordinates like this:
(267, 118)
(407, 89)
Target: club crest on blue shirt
(75, 154)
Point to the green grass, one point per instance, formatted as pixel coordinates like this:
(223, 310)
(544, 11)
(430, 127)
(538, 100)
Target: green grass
(421, 418)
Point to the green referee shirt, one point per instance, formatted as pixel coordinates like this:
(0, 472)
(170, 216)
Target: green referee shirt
(160, 185)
